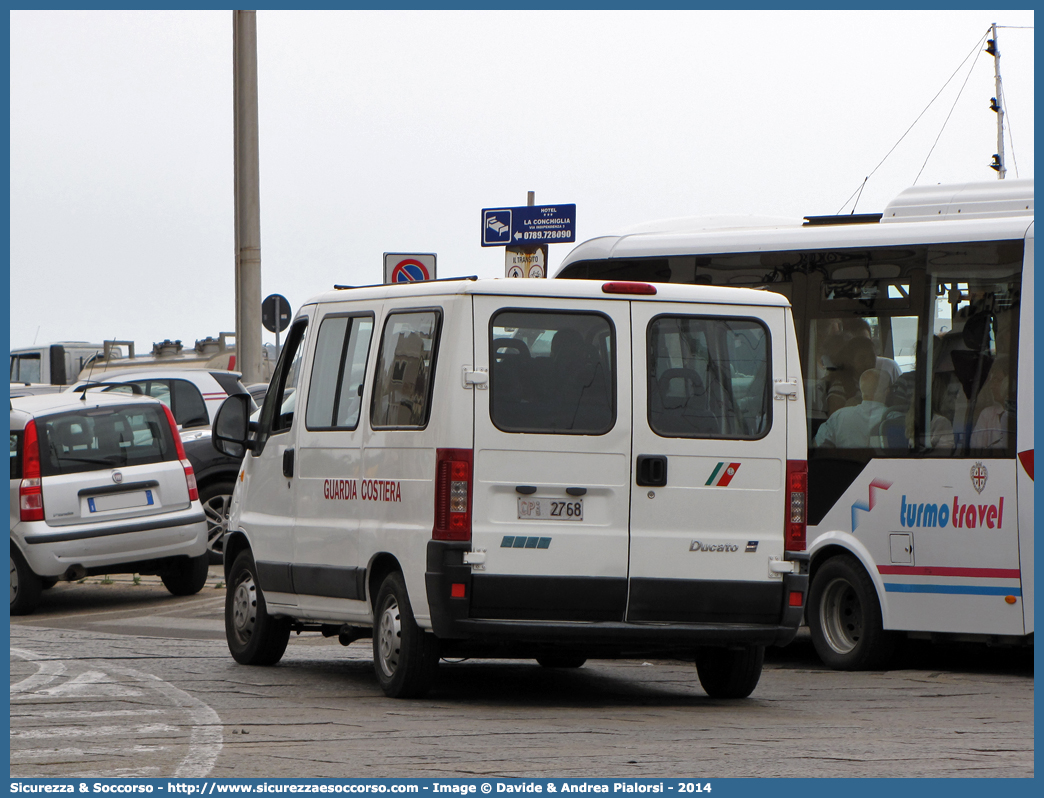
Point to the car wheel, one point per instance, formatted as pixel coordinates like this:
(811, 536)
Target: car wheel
(254, 637)
(730, 673)
(25, 585)
(405, 657)
(185, 576)
(561, 661)
(844, 617)
(216, 498)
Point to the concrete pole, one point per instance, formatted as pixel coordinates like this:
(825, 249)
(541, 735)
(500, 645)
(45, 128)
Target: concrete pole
(247, 196)
(1000, 102)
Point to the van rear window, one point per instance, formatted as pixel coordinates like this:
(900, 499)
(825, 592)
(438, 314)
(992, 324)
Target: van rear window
(99, 438)
(709, 377)
(552, 372)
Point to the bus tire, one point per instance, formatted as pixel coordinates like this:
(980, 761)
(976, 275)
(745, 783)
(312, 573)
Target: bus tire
(844, 617)
(561, 660)
(254, 637)
(729, 672)
(405, 657)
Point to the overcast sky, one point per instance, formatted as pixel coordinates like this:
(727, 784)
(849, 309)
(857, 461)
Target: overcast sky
(390, 131)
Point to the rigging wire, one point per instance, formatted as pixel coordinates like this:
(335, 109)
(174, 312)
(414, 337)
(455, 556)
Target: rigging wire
(974, 52)
(947, 119)
(1011, 138)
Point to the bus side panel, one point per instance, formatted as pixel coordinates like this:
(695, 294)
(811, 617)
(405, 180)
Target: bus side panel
(947, 554)
(1024, 433)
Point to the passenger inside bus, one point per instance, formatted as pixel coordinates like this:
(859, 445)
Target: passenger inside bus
(857, 426)
(992, 429)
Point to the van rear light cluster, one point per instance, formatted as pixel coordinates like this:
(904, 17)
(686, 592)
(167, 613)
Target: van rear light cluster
(797, 499)
(190, 474)
(453, 469)
(30, 491)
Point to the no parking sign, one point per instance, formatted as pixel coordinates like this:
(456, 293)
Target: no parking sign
(406, 267)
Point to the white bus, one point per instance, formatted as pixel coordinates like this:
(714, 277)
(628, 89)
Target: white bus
(915, 329)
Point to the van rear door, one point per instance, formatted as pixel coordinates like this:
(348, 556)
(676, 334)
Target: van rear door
(552, 459)
(710, 451)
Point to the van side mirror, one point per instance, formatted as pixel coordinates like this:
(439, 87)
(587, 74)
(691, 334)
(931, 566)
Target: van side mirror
(231, 429)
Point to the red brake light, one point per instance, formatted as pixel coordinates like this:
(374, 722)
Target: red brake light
(452, 494)
(797, 499)
(190, 475)
(627, 287)
(30, 490)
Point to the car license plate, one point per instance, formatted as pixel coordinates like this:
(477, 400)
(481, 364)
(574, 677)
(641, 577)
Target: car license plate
(120, 501)
(535, 508)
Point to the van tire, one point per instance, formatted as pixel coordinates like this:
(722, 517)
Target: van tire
(25, 585)
(254, 637)
(730, 673)
(844, 617)
(185, 576)
(405, 657)
(216, 498)
(561, 661)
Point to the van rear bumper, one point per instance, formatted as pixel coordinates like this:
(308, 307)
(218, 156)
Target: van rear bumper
(601, 624)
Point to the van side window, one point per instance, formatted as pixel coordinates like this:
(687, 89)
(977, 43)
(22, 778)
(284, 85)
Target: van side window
(709, 377)
(552, 372)
(338, 367)
(405, 370)
(277, 412)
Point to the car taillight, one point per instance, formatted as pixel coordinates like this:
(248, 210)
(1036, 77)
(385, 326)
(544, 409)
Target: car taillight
(190, 474)
(797, 499)
(452, 494)
(30, 490)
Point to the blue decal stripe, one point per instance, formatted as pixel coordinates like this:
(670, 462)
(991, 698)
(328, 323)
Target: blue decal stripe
(974, 590)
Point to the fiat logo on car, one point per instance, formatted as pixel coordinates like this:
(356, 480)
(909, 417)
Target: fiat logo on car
(117, 477)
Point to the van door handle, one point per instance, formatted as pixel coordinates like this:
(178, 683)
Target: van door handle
(288, 462)
(651, 470)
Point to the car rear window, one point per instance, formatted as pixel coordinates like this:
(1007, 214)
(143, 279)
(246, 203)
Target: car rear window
(16, 455)
(98, 438)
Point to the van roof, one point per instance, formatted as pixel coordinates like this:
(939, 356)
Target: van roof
(578, 289)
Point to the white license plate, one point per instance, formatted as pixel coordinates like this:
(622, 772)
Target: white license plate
(540, 509)
(120, 501)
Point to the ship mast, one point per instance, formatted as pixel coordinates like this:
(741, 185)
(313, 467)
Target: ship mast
(997, 103)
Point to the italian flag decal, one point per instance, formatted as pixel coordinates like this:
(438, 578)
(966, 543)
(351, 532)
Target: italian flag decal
(722, 474)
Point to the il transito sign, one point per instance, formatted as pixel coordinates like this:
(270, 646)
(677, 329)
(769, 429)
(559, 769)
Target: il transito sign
(528, 225)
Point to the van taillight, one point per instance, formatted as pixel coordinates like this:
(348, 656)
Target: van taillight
(797, 499)
(30, 491)
(452, 494)
(190, 474)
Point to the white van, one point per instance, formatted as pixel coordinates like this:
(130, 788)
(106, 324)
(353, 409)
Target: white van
(524, 468)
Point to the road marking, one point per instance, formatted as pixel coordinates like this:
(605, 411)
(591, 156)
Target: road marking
(206, 732)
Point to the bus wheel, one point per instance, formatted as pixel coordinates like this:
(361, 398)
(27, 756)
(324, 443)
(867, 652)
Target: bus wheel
(844, 617)
(254, 637)
(729, 672)
(561, 661)
(405, 657)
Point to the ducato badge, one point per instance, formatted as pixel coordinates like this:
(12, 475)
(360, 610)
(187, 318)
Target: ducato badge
(979, 474)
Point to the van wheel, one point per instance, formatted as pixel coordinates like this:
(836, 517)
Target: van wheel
(730, 673)
(844, 617)
(405, 657)
(186, 576)
(216, 498)
(561, 661)
(25, 585)
(254, 637)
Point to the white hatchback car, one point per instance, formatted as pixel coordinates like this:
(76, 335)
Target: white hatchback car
(100, 485)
